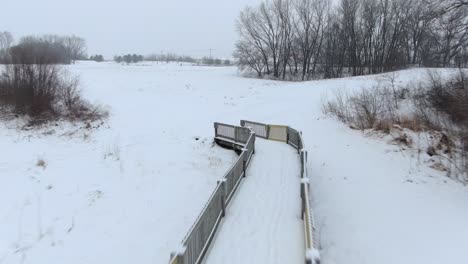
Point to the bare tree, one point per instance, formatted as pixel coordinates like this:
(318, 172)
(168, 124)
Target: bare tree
(76, 47)
(253, 35)
(354, 37)
(248, 56)
(453, 33)
(6, 40)
(309, 29)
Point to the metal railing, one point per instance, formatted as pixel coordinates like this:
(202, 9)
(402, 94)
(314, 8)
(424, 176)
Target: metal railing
(198, 239)
(294, 139)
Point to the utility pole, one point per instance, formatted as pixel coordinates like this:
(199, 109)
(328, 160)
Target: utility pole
(211, 50)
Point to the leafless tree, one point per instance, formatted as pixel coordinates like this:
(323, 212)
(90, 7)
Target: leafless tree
(76, 47)
(6, 40)
(309, 31)
(354, 37)
(249, 56)
(452, 29)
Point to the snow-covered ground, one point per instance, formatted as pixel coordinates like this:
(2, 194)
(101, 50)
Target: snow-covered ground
(130, 190)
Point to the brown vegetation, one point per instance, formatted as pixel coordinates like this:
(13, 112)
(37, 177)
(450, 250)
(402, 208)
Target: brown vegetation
(436, 107)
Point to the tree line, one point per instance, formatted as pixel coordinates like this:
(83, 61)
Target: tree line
(96, 58)
(170, 57)
(314, 39)
(215, 61)
(129, 58)
(52, 49)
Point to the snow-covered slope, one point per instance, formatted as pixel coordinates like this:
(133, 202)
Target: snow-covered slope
(129, 191)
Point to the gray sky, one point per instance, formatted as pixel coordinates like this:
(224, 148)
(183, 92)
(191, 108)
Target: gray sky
(113, 27)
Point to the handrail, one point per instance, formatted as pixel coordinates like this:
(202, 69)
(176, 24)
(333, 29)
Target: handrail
(199, 237)
(294, 138)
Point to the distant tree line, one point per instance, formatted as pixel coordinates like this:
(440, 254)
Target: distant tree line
(170, 57)
(97, 58)
(306, 39)
(129, 58)
(214, 61)
(51, 49)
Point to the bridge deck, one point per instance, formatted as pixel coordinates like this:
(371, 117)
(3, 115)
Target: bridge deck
(263, 222)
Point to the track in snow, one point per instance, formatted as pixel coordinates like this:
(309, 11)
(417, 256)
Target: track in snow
(263, 222)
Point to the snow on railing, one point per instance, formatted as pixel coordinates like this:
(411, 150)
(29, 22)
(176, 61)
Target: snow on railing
(198, 239)
(294, 139)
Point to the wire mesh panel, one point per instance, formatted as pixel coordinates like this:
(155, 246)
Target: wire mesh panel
(294, 138)
(225, 131)
(242, 134)
(201, 232)
(261, 130)
(279, 133)
(233, 177)
(250, 146)
(232, 133)
(199, 237)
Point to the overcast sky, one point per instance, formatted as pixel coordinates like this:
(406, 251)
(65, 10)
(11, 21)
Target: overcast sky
(113, 27)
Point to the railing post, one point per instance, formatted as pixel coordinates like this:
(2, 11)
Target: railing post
(302, 201)
(254, 138)
(244, 161)
(178, 257)
(244, 165)
(223, 206)
(216, 129)
(223, 201)
(302, 163)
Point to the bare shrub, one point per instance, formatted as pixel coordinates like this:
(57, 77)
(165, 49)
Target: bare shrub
(338, 107)
(443, 105)
(450, 98)
(366, 108)
(436, 107)
(41, 163)
(44, 92)
(369, 108)
(70, 94)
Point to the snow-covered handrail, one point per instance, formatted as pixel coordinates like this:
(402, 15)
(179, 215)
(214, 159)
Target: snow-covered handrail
(198, 239)
(294, 138)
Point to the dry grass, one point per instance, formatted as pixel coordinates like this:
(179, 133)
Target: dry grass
(413, 123)
(437, 107)
(41, 163)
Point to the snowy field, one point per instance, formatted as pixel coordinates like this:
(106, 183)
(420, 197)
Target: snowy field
(129, 191)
